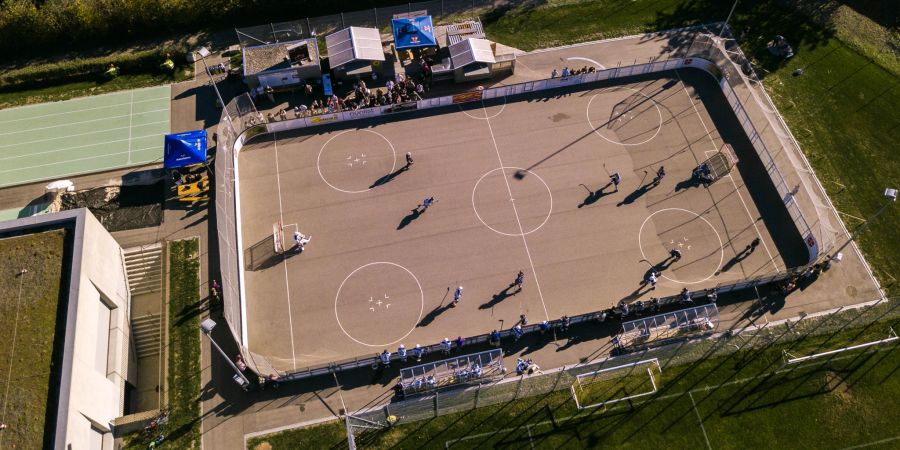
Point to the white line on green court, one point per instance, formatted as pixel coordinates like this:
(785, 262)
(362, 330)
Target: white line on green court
(67, 124)
(130, 125)
(79, 134)
(80, 110)
(699, 419)
(83, 135)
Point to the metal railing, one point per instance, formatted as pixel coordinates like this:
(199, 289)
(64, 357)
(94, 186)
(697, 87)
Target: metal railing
(244, 121)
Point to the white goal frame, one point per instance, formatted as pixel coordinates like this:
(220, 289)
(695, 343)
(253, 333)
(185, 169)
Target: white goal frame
(654, 389)
(791, 359)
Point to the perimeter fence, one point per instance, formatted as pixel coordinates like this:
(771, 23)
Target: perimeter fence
(774, 142)
(863, 318)
(702, 49)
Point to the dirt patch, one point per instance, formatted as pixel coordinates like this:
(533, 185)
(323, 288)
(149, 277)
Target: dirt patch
(121, 207)
(263, 446)
(835, 385)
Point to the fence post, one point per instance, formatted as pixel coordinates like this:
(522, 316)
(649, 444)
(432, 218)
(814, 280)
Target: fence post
(375, 12)
(342, 20)
(436, 404)
(387, 411)
(477, 392)
(308, 28)
(409, 9)
(519, 386)
(556, 383)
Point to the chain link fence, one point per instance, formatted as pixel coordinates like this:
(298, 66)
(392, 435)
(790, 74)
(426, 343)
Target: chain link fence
(753, 337)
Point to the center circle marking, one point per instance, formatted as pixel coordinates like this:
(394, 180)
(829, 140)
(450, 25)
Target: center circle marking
(480, 219)
(386, 344)
(655, 104)
(485, 110)
(322, 150)
(721, 245)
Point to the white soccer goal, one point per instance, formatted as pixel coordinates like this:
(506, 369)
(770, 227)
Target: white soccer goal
(792, 359)
(278, 237)
(616, 384)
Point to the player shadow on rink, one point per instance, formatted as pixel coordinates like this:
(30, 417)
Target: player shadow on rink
(413, 215)
(630, 198)
(593, 196)
(261, 255)
(389, 177)
(499, 297)
(433, 314)
(689, 183)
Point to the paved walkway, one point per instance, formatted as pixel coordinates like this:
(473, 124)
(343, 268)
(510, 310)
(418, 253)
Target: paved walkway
(229, 413)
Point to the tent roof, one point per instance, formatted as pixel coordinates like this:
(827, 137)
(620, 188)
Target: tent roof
(353, 44)
(411, 32)
(183, 149)
(470, 51)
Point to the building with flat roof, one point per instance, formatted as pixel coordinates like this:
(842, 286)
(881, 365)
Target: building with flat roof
(81, 341)
(282, 64)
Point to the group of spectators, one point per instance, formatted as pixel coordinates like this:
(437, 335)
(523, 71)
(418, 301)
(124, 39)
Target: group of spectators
(566, 72)
(399, 90)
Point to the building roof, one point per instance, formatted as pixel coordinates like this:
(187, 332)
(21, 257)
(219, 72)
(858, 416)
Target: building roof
(280, 56)
(354, 44)
(459, 31)
(30, 305)
(471, 51)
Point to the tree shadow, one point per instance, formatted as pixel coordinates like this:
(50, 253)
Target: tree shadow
(389, 177)
(499, 297)
(754, 24)
(413, 215)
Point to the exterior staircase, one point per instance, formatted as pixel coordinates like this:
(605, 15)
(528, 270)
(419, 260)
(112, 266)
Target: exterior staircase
(144, 268)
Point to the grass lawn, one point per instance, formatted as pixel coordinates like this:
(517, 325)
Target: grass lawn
(843, 110)
(183, 429)
(10, 98)
(28, 313)
(749, 399)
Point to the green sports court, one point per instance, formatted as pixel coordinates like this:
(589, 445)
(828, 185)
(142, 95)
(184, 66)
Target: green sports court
(90, 134)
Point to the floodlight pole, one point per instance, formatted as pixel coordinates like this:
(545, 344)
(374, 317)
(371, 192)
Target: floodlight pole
(211, 80)
(891, 196)
(206, 327)
(725, 25)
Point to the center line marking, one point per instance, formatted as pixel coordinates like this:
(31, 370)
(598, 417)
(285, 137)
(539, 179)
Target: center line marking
(287, 285)
(516, 212)
(709, 135)
(699, 419)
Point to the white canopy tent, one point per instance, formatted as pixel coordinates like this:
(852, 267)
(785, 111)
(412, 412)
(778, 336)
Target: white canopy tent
(354, 44)
(471, 50)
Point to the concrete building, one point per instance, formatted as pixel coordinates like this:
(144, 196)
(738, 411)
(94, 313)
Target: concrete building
(95, 358)
(282, 65)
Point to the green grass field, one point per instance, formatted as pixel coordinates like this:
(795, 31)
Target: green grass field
(27, 332)
(749, 399)
(183, 429)
(608, 387)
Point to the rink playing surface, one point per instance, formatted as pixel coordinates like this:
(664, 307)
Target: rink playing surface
(521, 184)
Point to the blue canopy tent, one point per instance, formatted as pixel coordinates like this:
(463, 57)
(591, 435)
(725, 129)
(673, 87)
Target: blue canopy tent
(184, 149)
(413, 32)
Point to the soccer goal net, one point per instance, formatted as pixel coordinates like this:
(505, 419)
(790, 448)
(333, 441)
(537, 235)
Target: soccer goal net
(603, 387)
(720, 163)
